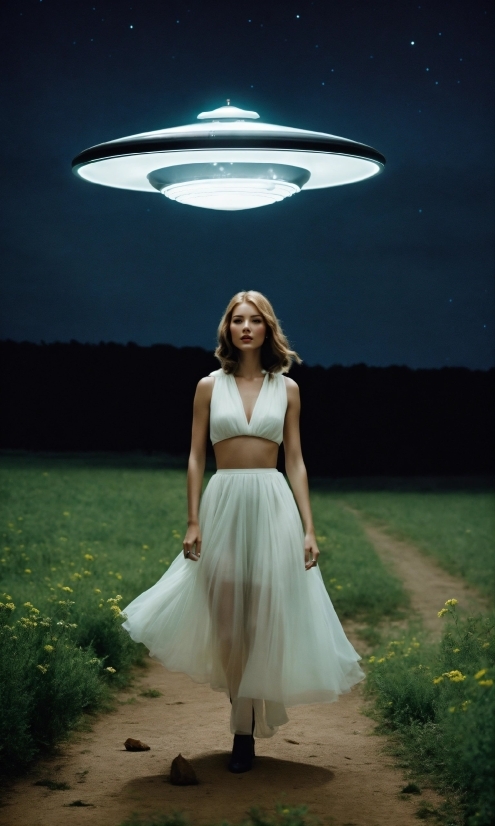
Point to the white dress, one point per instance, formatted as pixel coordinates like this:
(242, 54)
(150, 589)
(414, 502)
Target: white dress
(248, 618)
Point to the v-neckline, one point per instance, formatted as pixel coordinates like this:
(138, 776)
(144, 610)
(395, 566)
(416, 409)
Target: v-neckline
(257, 398)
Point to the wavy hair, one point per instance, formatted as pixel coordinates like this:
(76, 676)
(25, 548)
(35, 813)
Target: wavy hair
(276, 355)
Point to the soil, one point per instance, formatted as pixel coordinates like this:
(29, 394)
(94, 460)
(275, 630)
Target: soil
(326, 757)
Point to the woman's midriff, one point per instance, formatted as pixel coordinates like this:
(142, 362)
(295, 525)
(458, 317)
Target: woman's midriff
(245, 452)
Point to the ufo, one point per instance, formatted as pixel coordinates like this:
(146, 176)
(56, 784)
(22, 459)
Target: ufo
(228, 160)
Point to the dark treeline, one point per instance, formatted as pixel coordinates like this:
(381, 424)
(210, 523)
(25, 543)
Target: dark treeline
(355, 420)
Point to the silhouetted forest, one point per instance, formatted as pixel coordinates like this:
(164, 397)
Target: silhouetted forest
(355, 420)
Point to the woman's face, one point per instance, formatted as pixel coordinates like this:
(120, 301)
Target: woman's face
(247, 327)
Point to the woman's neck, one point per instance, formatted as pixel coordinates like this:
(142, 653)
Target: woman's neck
(249, 366)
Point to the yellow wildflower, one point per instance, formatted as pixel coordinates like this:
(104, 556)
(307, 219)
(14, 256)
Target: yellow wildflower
(372, 659)
(28, 571)
(452, 709)
(48, 648)
(381, 660)
(145, 547)
(455, 676)
(485, 645)
(480, 674)
(89, 557)
(455, 650)
(451, 602)
(87, 573)
(97, 590)
(110, 669)
(442, 612)
(42, 668)
(338, 587)
(67, 589)
(415, 644)
(485, 682)
(437, 680)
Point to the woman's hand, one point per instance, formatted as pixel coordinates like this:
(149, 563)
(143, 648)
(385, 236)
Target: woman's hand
(192, 543)
(311, 552)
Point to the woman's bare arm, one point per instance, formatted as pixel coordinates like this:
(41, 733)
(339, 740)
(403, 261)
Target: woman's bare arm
(196, 465)
(296, 471)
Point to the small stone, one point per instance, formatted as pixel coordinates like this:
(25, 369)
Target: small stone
(135, 745)
(182, 773)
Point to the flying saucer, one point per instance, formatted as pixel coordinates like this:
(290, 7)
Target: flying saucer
(229, 160)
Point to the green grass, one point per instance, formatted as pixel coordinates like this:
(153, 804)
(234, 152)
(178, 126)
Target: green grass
(455, 527)
(439, 702)
(79, 538)
(83, 535)
(359, 584)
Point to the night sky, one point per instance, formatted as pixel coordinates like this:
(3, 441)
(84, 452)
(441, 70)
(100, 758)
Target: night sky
(394, 270)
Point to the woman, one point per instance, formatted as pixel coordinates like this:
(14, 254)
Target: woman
(245, 608)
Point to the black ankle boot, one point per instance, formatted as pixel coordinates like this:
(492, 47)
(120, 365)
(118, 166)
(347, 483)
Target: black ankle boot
(242, 753)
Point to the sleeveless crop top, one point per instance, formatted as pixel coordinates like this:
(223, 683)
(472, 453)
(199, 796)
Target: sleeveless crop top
(227, 414)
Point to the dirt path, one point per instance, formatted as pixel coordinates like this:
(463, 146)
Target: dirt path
(325, 757)
(428, 584)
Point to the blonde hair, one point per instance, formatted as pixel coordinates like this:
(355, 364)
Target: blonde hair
(276, 354)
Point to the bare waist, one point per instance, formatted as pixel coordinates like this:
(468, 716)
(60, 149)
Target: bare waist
(248, 470)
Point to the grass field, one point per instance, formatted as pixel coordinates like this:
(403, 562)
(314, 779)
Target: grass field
(82, 536)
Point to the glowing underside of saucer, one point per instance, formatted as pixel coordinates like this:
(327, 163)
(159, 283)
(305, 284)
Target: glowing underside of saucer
(189, 159)
(231, 194)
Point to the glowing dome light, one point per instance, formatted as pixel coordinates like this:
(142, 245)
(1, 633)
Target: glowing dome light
(235, 193)
(228, 161)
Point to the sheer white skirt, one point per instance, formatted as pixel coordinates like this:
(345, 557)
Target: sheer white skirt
(247, 617)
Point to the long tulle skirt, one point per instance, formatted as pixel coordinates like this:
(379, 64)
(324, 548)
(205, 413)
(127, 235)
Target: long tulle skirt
(248, 617)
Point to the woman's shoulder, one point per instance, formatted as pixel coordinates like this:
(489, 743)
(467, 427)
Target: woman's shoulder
(292, 389)
(290, 383)
(206, 383)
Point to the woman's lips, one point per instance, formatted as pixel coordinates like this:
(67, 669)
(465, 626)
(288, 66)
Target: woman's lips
(246, 338)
